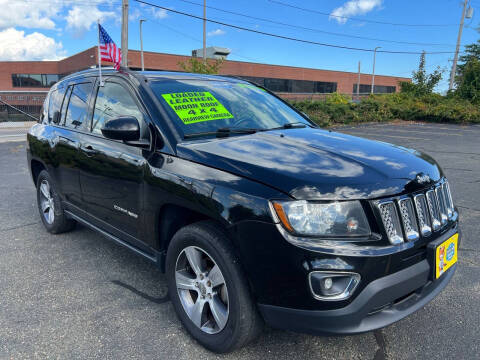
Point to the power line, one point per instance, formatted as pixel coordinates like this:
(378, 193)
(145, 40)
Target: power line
(288, 37)
(357, 19)
(313, 29)
(234, 52)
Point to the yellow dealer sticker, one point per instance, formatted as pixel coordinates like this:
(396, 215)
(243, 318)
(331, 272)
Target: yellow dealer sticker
(446, 255)
(196, 106)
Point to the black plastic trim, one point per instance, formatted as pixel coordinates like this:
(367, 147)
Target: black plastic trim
(397, 296)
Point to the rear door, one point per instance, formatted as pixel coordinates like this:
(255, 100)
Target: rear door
(111, 173)
(72, 122)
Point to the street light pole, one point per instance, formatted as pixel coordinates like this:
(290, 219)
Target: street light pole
(373, 72)
(141, 43)
(358, 82)
(459, 39)
(204, 31)
(125, 33)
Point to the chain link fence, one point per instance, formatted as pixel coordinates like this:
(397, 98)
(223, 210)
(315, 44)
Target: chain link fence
(18, 106)
(19, 110)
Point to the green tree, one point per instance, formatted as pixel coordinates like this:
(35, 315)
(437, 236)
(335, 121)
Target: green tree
(195, 65)
(422, 83)
(468, 85)
(471, 51)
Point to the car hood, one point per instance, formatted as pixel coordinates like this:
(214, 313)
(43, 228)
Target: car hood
(309, 163)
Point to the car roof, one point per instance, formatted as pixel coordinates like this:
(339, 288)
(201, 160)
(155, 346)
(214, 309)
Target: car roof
(153, 75)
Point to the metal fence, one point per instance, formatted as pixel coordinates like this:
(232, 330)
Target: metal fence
(21, 105)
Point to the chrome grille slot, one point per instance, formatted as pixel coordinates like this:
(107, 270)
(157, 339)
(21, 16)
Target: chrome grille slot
(441, 204)
(423, 215)
(408, 219)
(449, 200)
(391, 221)
(433, 208)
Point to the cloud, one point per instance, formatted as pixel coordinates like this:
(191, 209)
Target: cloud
(158, 13)
(80, 18)
(216, 32)
(352, 8)
(16, 46)
(134, 15)
(28, 15)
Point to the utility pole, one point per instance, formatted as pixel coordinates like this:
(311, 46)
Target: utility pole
(141, 43)
(373, 72)
(125, 33)
(358, 82)
(204, 31)
(459, 39)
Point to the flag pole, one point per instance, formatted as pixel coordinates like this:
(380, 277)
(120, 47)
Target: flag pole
(99, 56)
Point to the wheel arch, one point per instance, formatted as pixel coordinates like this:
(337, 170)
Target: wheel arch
(36, 167)
(172, 217)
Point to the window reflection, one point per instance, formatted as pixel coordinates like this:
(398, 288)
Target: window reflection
(78, 105)
(113, 101)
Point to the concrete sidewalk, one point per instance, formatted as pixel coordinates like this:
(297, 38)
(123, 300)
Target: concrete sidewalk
(17, 124)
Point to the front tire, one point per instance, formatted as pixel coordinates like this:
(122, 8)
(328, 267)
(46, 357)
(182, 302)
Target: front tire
(208, 289)
(50, 206)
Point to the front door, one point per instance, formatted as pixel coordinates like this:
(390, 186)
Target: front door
(111, 172)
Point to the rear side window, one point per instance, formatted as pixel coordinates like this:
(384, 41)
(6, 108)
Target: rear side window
(56, 98)
(64, 104)
(113, 101)
(44, 113)
(78, 105)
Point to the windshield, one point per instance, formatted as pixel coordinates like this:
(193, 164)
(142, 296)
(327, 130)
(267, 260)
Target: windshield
(199, 106)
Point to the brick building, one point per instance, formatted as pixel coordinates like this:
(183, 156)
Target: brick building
(25, 83)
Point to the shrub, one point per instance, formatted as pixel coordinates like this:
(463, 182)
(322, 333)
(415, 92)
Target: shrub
(378, 108)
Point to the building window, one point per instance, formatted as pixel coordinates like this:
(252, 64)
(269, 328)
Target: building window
(34, 80)
(378, 89)
(280, 85)
(293, 86)
(325, 87)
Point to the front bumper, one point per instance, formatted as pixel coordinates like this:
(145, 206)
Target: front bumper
(381, 303)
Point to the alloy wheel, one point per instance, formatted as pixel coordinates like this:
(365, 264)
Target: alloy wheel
(46, 202)
(202, 290)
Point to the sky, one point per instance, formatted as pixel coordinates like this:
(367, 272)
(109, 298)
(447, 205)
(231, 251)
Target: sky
(54, 29)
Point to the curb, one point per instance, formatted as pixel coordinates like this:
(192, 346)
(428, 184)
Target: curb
(17, 124)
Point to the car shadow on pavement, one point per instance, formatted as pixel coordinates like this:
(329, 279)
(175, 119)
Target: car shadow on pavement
(155, 300)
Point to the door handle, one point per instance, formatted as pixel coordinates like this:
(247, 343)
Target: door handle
(88, 149)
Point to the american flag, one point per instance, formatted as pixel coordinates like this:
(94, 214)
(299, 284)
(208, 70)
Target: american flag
(108, 50)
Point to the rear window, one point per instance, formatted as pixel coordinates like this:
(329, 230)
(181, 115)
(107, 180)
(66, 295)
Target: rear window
(207, 105)
(56, 98)
(44, 112)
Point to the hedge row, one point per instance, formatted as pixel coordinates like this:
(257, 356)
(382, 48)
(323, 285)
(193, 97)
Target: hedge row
(339, 109)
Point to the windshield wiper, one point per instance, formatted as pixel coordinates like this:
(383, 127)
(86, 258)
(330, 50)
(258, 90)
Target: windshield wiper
(293, 125)
(222, 132)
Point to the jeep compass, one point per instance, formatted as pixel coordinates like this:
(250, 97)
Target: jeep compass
(254, 213)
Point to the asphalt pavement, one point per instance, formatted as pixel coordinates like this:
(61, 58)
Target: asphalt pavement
(79, 296)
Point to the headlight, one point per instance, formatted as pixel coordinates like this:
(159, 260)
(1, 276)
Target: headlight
(334, 219)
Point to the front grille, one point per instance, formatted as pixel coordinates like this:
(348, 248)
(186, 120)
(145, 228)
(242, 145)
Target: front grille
(407, 217)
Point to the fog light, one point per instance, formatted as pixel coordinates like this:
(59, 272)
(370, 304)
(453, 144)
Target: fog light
(327, 283)
(333, 285)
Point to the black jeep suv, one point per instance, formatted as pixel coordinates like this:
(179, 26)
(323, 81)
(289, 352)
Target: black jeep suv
(254, 213)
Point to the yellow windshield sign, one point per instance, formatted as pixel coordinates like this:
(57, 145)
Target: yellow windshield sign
(196, 106)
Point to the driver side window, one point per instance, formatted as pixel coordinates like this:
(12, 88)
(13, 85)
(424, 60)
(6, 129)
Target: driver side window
(113, 101)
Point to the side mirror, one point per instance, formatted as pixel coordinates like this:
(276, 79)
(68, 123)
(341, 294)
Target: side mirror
(125, 128)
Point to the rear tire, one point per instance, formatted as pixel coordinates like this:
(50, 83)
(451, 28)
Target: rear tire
(50, 206)
(217, 278)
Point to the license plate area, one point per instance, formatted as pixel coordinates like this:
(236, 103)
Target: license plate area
(443, 255)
